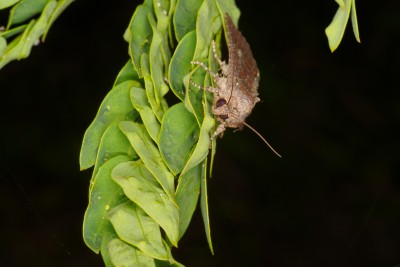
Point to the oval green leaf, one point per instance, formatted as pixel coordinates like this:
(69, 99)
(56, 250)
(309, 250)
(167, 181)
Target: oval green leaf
(180, 65)
(156, 61)
(113, 143)
(157, 107)
(141, 35)
(187, 195)
(194, 94)
(179, 133)
(202, 147)
(115, 107)
(207, 25)
(24, 10)
(105, 194)
(141, 104)
(185, 17)
(127, 73)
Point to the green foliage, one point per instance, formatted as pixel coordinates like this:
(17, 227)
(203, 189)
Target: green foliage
(150, 160)
(24, 30)
(336, 29)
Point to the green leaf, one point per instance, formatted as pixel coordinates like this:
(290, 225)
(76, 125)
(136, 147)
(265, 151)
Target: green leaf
(108, 236)
(141, 187)
(3, 45)
(171, 35)
(7, 3)
(228, 6)
(204, 206)
(127, 73)
(202, 147)
(113, 143)
(208, 24)
(156, 61)
(168, 264)
(148, 3)
(171, 261)
(61, 6)
(115, 107)
(194, 95)
(38, 29)
(209, 96)
(14, 48)
(21, 46)
(136, 228)
(354, 22)
(13, 31)
(157, 108)
(124, 255)
(179, 134)
(163, 10)
(24, 10)
(335, 30)
(141, 35)
(150, 155)
(105, 194)
(187, 195)
(340, 3)
(141, 104)
(180, 65)
(185, 17)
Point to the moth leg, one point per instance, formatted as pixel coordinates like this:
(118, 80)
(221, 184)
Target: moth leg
(208, 88)
(214, 49)
(219, 131)
(201, 64)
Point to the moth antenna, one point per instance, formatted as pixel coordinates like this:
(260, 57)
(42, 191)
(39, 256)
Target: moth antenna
(259, 135)
(262, 138)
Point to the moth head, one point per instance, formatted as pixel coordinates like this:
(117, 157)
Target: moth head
(222, 108)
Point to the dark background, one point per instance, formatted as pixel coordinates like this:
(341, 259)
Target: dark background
(332, 200)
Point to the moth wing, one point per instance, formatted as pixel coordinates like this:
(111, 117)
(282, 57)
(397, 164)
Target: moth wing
(243, 67)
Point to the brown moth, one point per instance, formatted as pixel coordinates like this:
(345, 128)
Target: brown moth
(235, 94)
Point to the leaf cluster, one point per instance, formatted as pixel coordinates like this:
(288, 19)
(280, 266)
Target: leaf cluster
(335, 30)
(151, 159)
(29, 22)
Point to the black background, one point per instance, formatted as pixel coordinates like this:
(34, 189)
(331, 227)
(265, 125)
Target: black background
(332, 200)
